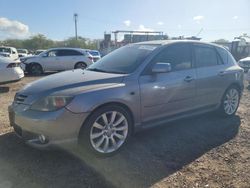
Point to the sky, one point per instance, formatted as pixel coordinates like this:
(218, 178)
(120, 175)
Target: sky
(212, 19)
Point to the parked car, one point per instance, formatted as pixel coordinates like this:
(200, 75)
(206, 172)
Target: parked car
(134, 87)
(9, 52)
(95, 54)
(57, 59)
(245, 63)
(22, 52)
(10, 70)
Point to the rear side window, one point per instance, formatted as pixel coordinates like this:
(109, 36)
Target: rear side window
(69, 53)
(178, 55)
(205, 56)
(223, 54)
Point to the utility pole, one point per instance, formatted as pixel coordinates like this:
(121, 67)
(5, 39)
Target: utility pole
(75, 19)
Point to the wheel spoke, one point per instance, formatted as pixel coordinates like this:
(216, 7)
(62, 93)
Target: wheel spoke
(121, 137)
(113, 141)
(99, 143)
(113, 117)
(96, 135)
(123, 128)
(119, 121)
(105, 148)
(104, 118)
(98, 126)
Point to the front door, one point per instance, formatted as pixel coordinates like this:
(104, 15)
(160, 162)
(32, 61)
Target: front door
(171, 93)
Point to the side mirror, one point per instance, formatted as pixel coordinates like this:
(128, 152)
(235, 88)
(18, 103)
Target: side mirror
(161, 68)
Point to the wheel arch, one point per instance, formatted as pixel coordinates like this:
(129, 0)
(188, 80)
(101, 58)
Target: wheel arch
(122, 105)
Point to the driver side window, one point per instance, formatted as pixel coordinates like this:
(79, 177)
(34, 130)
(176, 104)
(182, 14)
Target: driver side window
(52, 53)
(178, 55)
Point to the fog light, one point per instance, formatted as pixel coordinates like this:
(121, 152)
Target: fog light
(42, 139)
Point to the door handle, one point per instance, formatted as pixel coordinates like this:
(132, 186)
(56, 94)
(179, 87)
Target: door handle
(188, 79)
(221, 73)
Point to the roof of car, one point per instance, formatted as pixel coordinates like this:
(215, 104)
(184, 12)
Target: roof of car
(166, 42)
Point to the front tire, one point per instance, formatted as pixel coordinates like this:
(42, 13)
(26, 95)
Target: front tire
(106, 131)
(35, 69)
(230, 101)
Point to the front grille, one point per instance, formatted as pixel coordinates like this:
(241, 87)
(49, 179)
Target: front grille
(20, 98)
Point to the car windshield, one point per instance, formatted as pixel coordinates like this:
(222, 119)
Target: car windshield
(124, 60)
(6, 50)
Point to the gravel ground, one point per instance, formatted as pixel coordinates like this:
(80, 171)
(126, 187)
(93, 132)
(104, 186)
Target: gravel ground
(203, 151)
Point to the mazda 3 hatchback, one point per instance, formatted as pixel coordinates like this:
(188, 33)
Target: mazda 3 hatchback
(135, 87)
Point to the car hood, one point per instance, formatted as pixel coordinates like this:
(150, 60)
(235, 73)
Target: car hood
(73, 82)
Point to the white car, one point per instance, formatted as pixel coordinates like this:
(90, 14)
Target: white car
(57, 59)
(22, 52)
(9, 52)
(10, 70)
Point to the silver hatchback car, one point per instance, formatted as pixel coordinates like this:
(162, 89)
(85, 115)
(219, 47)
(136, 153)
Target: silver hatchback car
(135, 87)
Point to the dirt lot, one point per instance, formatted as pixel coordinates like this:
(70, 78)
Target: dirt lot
(203, 151)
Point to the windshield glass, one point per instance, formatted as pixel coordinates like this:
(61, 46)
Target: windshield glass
(123, 60)
(6, 50)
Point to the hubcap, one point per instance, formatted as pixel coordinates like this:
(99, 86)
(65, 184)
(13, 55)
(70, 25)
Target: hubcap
(231, 101)
(109, 132)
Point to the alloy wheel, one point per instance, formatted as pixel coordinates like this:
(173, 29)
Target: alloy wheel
(109, 132)
(231, 101)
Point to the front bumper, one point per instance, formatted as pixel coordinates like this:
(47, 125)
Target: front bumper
(59, 128)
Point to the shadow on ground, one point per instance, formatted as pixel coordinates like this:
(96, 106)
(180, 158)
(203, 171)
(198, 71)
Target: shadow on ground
(149, 157)
(4, 89)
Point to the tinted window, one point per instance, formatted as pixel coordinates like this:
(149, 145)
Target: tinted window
(69, 53)
(205, 56)
(179, 56)
(223, 54)
(123, 60)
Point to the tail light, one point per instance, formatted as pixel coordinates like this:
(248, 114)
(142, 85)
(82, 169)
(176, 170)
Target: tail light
(12, 65)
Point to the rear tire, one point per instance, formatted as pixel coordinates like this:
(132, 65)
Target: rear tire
(106, 131)
(230, 102)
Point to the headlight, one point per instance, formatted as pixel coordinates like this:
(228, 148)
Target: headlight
(51, 103)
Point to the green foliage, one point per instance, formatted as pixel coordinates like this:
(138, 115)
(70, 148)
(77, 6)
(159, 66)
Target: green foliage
(42, 42)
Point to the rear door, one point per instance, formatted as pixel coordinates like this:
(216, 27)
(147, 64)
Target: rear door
(69, 58)
(211, 75)
(167, 94)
